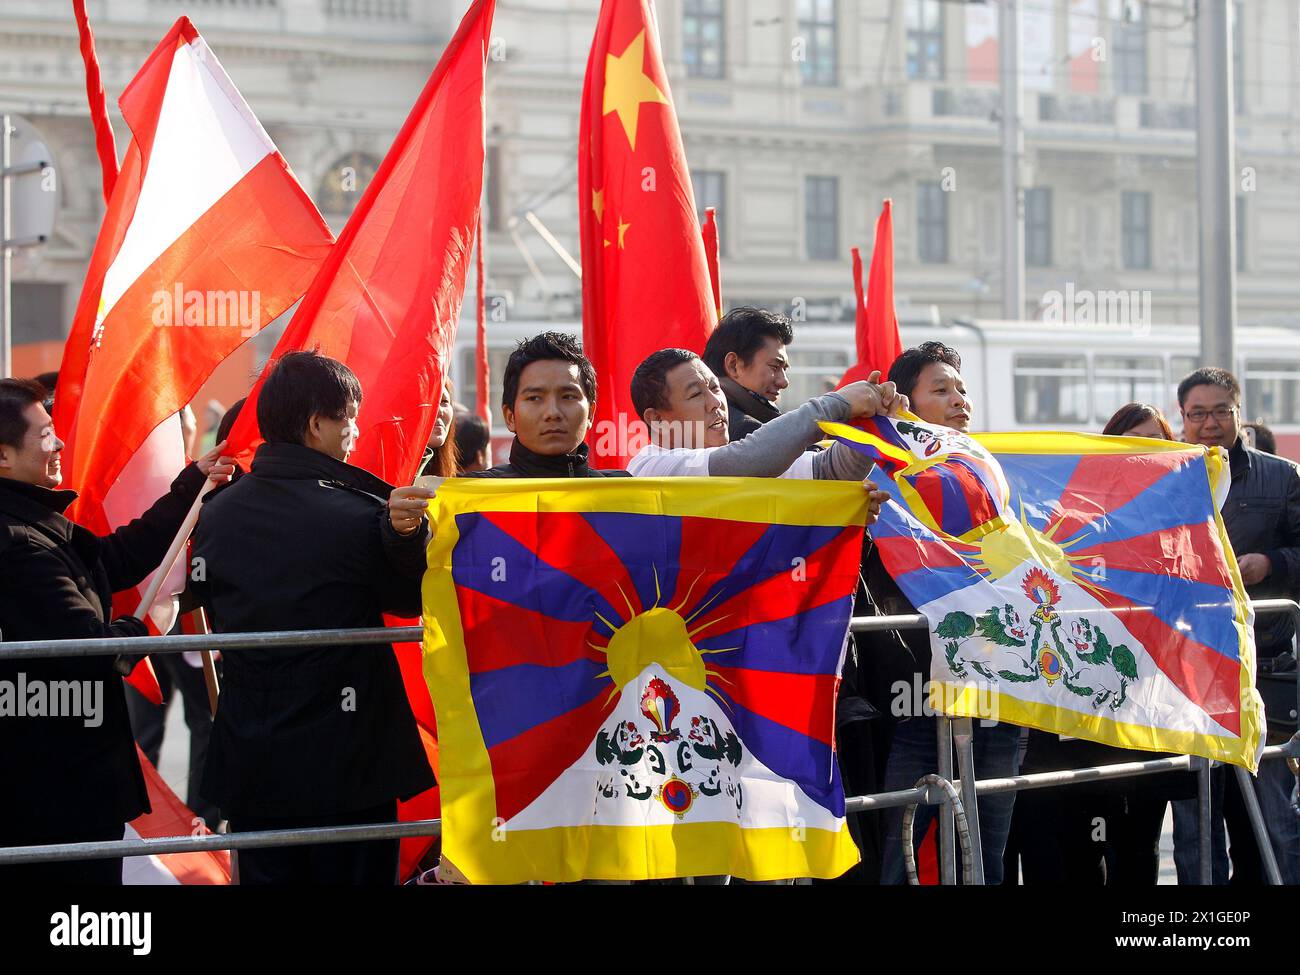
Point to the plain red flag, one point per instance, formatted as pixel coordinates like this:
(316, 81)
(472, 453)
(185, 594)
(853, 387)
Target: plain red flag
(645, 280)
(877, 339)
(105, 144)
(388, 297)
(711, 254)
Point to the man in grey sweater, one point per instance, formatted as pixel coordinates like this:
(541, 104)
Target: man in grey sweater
(681, 401)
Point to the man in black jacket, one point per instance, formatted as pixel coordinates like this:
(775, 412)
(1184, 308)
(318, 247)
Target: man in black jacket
(548, 394)
(747, 354)
(319, 735)
(68, 777)
(1262, 517)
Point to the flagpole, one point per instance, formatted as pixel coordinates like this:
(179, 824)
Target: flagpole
(209, 662)
(178, 543)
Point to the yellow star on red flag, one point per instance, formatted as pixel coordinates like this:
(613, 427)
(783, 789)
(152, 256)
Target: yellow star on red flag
(627, 86)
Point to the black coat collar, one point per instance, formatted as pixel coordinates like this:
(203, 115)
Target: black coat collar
(1238, 459)
(294, 461)
(748, 401)
(529, 464)
(37, 506)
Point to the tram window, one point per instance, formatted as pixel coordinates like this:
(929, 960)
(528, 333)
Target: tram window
(1273, 392)
(1180, 366)
(810, 370)
(1118, 380)
(1051, 389)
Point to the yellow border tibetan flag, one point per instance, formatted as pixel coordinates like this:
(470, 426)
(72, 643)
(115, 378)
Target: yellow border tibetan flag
(636, 679)
(1103, 601)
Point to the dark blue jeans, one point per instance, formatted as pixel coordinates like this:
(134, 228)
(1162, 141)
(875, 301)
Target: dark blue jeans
(913, 754)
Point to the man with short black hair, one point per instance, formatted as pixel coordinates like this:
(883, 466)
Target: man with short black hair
(682, 402)
(1262, 518)
(747, 352)
(548, 395)
(69, 777)
(930, 376)
(320, 735)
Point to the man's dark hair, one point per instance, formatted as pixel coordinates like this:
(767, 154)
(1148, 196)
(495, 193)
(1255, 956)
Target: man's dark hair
(472, 435)
(1209, 376)
(743, 331)
(15, 396)
(539, 348)
(301, 385)
(650, 381)
(1264, 438)
(906, 370)
(228, 420)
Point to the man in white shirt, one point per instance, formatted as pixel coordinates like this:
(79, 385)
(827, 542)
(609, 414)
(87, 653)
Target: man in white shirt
(682, 403)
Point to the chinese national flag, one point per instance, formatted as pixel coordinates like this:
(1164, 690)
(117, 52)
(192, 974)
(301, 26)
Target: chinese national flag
(645, 282)
(878, 342)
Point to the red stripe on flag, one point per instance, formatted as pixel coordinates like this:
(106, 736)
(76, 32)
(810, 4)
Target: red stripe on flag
(804, 703)
(1101, 483)
(1209, 679)
(1186, 552)
(500, 634)
(524, 766)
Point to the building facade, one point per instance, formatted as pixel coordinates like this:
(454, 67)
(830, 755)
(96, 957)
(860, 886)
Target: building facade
(799, 117)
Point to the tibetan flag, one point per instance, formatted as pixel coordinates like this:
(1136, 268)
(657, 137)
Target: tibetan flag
(645, 279)
(636, 679)
(950, 483)
(1106, 605)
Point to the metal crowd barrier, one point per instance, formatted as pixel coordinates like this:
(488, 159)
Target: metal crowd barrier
(950, 732)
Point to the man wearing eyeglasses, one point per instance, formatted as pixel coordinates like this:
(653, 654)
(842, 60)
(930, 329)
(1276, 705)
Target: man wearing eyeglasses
(1262, 517)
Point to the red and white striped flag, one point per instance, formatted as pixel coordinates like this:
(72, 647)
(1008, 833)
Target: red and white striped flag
(207, 237)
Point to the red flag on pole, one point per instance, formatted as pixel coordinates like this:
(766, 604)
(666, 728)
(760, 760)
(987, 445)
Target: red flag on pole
(387, 299)
(105, 144)
(877, 339)
(645, 279)
(711, 248)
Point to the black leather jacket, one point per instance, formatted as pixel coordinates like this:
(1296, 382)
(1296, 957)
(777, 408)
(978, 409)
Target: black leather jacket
(1262, 514)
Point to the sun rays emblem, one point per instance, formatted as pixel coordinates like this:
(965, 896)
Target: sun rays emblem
(661, 635)
(1001, 552)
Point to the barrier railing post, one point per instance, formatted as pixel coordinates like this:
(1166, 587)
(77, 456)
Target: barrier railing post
(947, 818)
(1204, 835)
(963, 736)
(1262, 840)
